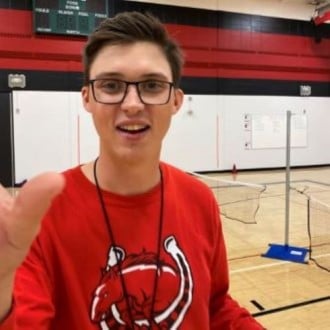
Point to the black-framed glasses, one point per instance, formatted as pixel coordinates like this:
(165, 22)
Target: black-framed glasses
(113, 91)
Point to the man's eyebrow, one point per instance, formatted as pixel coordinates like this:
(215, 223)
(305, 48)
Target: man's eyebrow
(107, 75)
(118, 75)
(155, 75)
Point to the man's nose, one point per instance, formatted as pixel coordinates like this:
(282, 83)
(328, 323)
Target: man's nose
(132, 100)
(132, 103)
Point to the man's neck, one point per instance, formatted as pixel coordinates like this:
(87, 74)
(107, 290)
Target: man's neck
(124, 179)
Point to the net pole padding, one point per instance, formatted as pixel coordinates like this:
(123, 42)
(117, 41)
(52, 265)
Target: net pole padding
(285, 251)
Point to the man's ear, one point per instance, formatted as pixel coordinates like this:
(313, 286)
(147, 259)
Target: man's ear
(178, 100)
(85, 95)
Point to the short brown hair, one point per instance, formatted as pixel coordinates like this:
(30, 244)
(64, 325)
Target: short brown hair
(130, 27)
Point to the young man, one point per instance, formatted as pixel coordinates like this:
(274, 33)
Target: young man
(127, 241)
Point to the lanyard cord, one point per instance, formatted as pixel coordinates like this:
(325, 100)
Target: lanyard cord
(112, 238)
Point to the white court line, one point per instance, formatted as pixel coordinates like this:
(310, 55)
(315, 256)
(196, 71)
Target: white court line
(248, 269)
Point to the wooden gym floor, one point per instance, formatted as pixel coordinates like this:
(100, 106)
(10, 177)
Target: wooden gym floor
(282, 295)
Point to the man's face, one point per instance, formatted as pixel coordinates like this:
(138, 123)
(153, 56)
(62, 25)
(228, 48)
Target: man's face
(131, 130)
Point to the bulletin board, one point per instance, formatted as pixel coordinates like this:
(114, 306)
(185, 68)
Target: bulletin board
(270, 131)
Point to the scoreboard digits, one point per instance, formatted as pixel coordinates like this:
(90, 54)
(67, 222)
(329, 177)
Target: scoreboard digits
(68, 17)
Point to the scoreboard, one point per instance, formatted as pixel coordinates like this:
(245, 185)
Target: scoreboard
(68, 17)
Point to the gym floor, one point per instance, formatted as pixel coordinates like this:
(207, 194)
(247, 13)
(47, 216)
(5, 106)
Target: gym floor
(281, 294)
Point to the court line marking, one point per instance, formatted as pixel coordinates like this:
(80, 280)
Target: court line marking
(279, 263)
(287, 307)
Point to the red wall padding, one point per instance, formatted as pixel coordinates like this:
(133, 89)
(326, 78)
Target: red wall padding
(209, 52)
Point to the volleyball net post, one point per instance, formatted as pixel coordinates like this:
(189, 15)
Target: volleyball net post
(286, 251)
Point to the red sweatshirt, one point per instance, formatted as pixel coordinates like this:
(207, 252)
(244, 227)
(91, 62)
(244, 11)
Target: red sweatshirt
(76, 277)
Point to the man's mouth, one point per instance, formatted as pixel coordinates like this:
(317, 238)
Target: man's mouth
(133, 129)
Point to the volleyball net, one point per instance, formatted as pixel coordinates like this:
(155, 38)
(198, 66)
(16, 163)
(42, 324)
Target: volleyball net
(318, 222)
(318, 226)
(237, 200)
(241, 201)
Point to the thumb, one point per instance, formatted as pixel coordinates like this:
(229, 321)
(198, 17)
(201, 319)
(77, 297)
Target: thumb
(29, 207)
